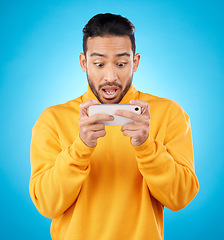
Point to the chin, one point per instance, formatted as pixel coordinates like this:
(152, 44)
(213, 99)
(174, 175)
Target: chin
(109, 101)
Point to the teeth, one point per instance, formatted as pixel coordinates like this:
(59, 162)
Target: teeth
(109, 92)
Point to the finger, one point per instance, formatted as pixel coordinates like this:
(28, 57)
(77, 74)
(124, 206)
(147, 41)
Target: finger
(98, 117)
(130, 127)
(97, 127)
(129, 133)
(99, 134)
(84, 106)
(92, 128)
(144, 106)
(93, 136)
(128, 114)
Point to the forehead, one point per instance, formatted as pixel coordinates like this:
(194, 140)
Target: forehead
(109, 45)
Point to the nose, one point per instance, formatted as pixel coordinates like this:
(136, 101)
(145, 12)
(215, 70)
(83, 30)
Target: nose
(110, 74)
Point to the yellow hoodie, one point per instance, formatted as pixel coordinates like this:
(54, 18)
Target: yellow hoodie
(114, 191)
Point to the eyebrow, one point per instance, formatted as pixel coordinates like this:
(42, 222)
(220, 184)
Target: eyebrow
(97, 54)
(123, 54)
(103, 55)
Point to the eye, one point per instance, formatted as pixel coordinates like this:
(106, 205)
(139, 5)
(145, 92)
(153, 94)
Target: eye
(121, 64)
(99, 64)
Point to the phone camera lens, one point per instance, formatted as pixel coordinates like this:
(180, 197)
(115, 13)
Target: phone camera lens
(136, 109)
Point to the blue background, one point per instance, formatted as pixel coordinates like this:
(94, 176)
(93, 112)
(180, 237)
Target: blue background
(181, 46)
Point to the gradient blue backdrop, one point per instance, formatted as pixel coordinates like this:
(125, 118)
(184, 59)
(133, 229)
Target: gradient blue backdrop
(181, 46)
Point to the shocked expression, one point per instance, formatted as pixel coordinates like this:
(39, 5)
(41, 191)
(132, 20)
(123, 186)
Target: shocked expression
(109, 63)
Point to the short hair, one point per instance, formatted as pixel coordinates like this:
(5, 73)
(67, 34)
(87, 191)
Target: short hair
(108, 25)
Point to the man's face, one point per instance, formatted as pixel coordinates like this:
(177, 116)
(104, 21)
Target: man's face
(109, 64)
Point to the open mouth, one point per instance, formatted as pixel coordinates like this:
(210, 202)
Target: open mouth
(110, 92)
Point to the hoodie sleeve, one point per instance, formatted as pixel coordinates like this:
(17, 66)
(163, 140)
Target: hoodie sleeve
(168, 167)
(56, 174)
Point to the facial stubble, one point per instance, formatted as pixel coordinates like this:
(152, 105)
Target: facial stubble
(96, 93)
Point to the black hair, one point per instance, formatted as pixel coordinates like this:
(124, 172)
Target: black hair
(108, 25)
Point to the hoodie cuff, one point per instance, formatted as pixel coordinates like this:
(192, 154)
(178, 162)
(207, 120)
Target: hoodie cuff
(80, 152)
(146, 149)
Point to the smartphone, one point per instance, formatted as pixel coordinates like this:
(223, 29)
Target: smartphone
(110, 108)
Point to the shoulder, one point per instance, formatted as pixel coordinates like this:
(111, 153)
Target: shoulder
(164, 105)
(159, 101)
(59, 112)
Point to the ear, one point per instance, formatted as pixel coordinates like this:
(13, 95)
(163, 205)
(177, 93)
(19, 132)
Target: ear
(82, 60)
(136, 62)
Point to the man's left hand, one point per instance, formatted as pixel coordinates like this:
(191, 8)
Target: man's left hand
(139, 130)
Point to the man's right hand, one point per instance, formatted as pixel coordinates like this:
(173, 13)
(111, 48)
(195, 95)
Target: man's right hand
(89, 130)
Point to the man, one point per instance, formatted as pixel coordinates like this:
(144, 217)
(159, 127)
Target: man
(111, 182)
